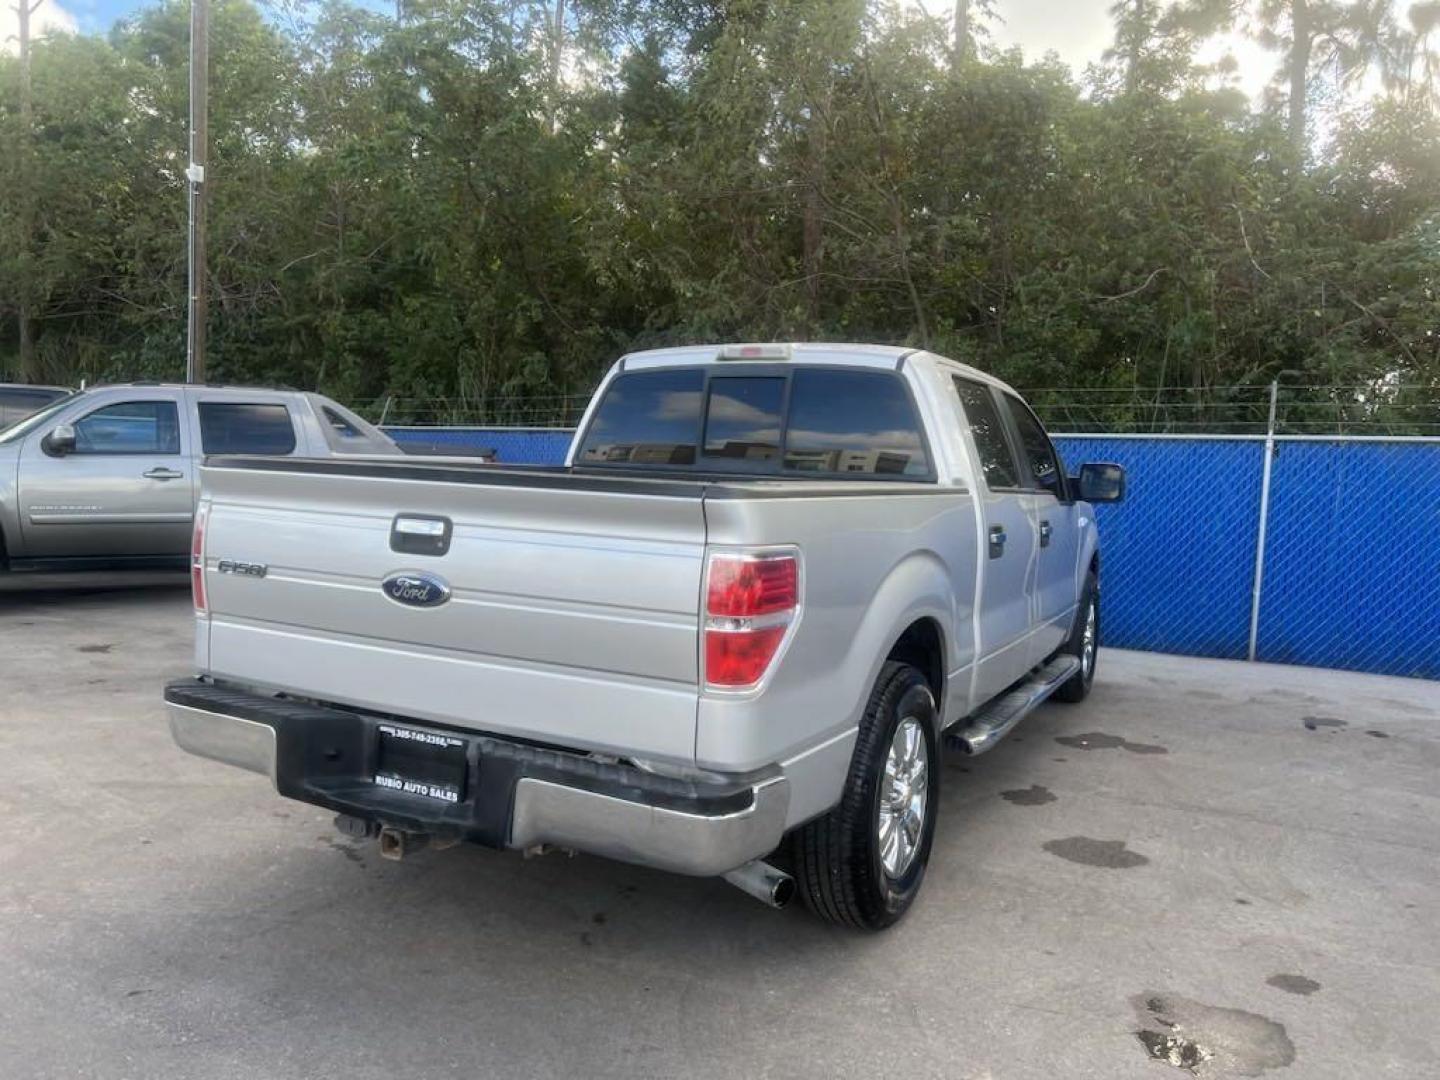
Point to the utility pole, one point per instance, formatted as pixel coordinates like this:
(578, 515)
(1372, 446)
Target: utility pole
(962, 31)
(556, 62)
(28, 370)
(195, 176)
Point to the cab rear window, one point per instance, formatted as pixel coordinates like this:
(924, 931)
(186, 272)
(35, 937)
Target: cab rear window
(810, 420)
(647, 418)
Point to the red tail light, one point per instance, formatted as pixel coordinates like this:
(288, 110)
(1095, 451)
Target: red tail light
(750, 601)
(197, 558)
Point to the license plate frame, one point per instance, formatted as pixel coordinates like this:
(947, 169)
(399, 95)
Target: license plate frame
(429, 764)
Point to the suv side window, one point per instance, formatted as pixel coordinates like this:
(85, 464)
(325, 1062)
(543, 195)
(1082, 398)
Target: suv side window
(245, 428)
(997, 459)
(130, 427)
(1039, 452)
(18, 402)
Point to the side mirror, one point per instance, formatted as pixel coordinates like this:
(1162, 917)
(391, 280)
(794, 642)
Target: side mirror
(1100, 483)
(60, 441)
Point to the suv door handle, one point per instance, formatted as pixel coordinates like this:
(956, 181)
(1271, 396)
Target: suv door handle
(162, 473)
(1044, 534)
(997, 541)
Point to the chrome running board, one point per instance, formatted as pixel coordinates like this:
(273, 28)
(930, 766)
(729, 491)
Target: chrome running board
(994, 720)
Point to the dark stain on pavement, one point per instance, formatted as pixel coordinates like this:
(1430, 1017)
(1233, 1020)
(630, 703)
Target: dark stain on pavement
(1098, 740)
(353, 854)
(1034, 795)
(1293, 984)
(1315, 723)
(1106, 854)
(1375, 733)
(1190, 1034)
(95, 648)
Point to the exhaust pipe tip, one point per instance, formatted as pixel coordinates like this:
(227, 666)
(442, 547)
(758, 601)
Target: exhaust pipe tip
(782, 892)
(771, 886)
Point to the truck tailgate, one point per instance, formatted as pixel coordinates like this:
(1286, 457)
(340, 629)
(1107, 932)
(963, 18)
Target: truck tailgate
(573, 609)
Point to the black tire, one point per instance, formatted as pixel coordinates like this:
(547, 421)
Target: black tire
(839, 866)
(1077, 687)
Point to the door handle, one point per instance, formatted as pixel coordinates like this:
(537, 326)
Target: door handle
(162, 473)
(997, 541)
(1045, 534)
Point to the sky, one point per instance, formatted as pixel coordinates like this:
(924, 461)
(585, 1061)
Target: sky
(1077, 30)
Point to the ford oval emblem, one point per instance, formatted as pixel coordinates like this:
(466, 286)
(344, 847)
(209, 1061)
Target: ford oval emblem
(416, 589)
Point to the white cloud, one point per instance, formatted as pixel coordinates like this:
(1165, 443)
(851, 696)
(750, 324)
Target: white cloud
(49, 17)
(1079, 32)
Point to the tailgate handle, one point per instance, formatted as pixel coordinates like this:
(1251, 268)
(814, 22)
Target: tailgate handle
(420, 534)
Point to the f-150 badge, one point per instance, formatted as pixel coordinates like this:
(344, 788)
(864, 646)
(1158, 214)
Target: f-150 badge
(244, 569)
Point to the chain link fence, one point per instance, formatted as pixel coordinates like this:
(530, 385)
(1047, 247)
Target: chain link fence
(1378, 408)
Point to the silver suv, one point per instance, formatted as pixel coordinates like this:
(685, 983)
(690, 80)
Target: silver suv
(19, 400)
(109, 477)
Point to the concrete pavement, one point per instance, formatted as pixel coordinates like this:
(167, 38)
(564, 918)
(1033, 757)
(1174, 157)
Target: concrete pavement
(1217, 864)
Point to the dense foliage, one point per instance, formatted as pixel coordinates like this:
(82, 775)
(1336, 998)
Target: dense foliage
(459, 202)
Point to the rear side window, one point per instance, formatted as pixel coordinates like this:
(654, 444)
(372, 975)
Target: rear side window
(1040, 455)
(244, 428)
(339, 425)
(647, 418)
(131, 427)
(853, 422)
(997, 460)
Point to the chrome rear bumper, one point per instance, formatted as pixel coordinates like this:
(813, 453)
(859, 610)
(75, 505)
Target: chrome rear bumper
(519, 796)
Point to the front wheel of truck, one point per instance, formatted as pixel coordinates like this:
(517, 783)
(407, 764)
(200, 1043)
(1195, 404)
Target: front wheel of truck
(862, 864)
(1083, 643)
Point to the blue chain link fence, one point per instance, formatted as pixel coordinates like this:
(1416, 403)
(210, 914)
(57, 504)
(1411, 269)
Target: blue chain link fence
(1352, 551)
(512, 446)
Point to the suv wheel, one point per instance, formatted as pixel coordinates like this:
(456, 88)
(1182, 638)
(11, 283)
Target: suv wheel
(861, 864)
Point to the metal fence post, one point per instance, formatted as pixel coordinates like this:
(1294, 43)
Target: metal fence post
(1259, 577)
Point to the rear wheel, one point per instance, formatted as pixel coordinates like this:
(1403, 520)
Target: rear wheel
(1083, 643)
(861, 865)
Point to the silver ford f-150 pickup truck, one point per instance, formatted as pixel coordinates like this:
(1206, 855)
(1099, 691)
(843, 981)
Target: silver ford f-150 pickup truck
(729, 637)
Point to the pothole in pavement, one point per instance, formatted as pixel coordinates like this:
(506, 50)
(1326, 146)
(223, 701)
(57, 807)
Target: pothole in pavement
(1207, 1039)
(1174, 1050)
